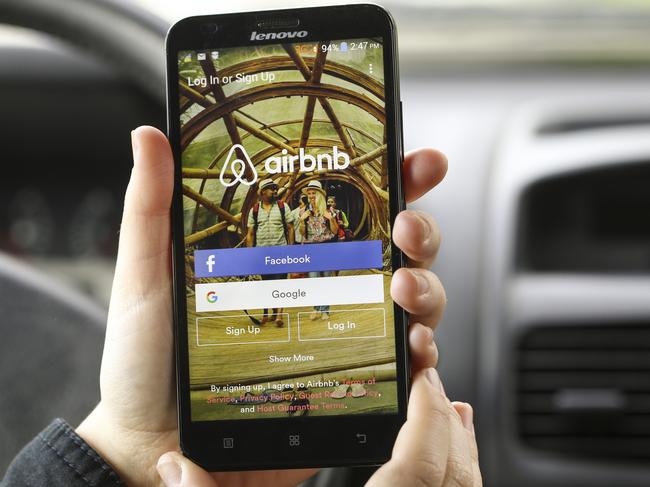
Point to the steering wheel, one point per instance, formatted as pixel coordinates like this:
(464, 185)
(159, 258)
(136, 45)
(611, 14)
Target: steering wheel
(123, 36)
(53, 335)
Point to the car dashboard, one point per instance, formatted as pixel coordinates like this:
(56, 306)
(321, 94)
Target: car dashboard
(544, 257)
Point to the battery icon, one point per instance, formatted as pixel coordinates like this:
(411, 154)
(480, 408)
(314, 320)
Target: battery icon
(343, 47)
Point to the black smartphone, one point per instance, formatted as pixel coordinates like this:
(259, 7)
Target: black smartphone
(289, 349)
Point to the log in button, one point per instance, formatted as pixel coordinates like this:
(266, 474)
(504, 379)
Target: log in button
(342, 325)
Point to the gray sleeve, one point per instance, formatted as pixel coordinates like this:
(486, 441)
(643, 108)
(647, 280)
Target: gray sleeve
(58, 457)
(290, 214)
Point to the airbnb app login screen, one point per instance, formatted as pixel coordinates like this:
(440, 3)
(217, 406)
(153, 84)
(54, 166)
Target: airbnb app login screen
(287, 241)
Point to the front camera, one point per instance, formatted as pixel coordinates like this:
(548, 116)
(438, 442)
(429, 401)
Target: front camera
(209, 29)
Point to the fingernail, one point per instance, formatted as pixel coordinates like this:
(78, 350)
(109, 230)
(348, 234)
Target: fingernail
(170, 472)
(421, 281)
(134, 145)
(434, 378)
(467, 417)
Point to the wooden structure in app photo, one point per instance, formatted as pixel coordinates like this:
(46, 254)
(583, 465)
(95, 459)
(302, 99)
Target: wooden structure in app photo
(333, 106)
(367, 171)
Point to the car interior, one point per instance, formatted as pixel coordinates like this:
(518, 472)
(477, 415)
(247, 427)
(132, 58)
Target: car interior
(543, 110)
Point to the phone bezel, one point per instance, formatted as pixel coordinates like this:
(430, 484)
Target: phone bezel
(200, 441)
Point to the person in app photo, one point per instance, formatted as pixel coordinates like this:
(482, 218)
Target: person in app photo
(343, 232)
(318, 225)
(270, 223)
(297, 213)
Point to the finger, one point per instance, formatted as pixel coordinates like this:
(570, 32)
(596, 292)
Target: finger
(417, 234)
(467, 416)
(177, 471)
(419, 292)
(459, 461)
(421, 171)
(424, 352)
(420, 452)
(145, 228)
(139, 332)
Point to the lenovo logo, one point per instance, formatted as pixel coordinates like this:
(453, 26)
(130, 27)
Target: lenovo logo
(278, 35)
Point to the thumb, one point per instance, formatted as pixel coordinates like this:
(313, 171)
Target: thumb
(138, 346)
(145, 229)
(135, 417)
(422, 446)
(427, 419)
(177, 471)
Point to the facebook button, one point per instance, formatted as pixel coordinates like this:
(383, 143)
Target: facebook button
(339, 256)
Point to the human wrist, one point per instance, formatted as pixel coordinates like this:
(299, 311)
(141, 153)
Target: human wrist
(130, 454)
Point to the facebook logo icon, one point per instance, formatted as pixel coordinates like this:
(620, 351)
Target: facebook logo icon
(210, 262)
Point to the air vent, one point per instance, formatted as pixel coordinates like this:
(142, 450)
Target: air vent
(589, 221)
(567, 126)
(584, 391)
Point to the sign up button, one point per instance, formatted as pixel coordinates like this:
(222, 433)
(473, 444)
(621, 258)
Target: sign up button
(240, 329)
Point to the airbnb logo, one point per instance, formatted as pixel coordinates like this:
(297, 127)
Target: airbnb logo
(285, 163)
(306, 162)
(238, 168)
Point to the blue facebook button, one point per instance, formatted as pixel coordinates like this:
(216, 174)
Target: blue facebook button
(339, 256)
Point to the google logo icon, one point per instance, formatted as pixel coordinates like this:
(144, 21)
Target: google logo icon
(212, 297)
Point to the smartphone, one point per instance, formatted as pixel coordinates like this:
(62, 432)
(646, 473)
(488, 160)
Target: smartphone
(289, 349)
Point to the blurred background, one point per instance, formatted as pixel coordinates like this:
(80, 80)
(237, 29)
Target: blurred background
(543, 109)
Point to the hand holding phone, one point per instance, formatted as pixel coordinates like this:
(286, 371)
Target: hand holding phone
(135, 422)
(431, 415)
(224, 405)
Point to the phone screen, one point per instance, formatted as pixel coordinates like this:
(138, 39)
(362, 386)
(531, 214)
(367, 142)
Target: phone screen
(287, 230)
